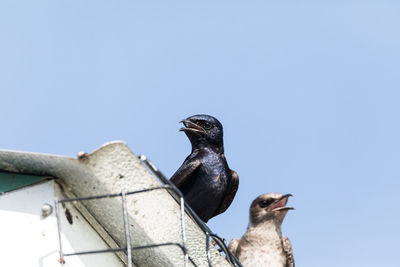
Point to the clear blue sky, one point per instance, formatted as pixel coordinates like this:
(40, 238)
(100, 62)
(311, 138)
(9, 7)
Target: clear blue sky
(308, 93)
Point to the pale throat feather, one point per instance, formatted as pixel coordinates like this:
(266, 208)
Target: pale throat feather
(266, 231)
(264, 243)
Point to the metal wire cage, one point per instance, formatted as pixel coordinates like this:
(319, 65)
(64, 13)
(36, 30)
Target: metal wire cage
(184, 208)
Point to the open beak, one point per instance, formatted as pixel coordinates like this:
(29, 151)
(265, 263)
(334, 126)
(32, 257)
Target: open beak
(191, 127)
(280, 204)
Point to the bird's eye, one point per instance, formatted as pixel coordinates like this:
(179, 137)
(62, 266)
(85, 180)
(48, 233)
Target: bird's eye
(265, 203)
(205, 124)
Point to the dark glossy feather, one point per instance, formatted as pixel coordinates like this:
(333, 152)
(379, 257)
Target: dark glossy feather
(205, 180)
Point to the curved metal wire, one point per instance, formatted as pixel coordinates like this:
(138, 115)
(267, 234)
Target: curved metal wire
(184, 207)
(128, 247)
(127, 232)
(207, 231)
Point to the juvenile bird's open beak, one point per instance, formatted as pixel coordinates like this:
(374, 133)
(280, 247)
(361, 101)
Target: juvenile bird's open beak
(280, 204)
(191, 127)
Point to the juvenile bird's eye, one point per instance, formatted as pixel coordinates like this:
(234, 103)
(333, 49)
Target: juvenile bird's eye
(265, 203)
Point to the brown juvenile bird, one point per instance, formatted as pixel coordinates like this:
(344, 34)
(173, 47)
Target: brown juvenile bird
(263, 244)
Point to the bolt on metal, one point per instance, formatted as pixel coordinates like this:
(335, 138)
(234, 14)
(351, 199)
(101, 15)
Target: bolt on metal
(47, 209)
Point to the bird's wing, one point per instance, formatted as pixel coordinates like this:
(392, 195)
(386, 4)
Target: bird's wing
(233, 245)
(181, 176)
(287, 247)
(230, 193)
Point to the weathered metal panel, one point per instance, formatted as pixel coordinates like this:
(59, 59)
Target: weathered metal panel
(11, 181)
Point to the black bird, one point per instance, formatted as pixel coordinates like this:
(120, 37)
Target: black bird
(207, 183)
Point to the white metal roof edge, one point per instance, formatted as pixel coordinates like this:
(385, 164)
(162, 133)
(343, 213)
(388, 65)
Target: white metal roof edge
(111, 169)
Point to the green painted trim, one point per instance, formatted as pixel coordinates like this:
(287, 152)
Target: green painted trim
(11, 181)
